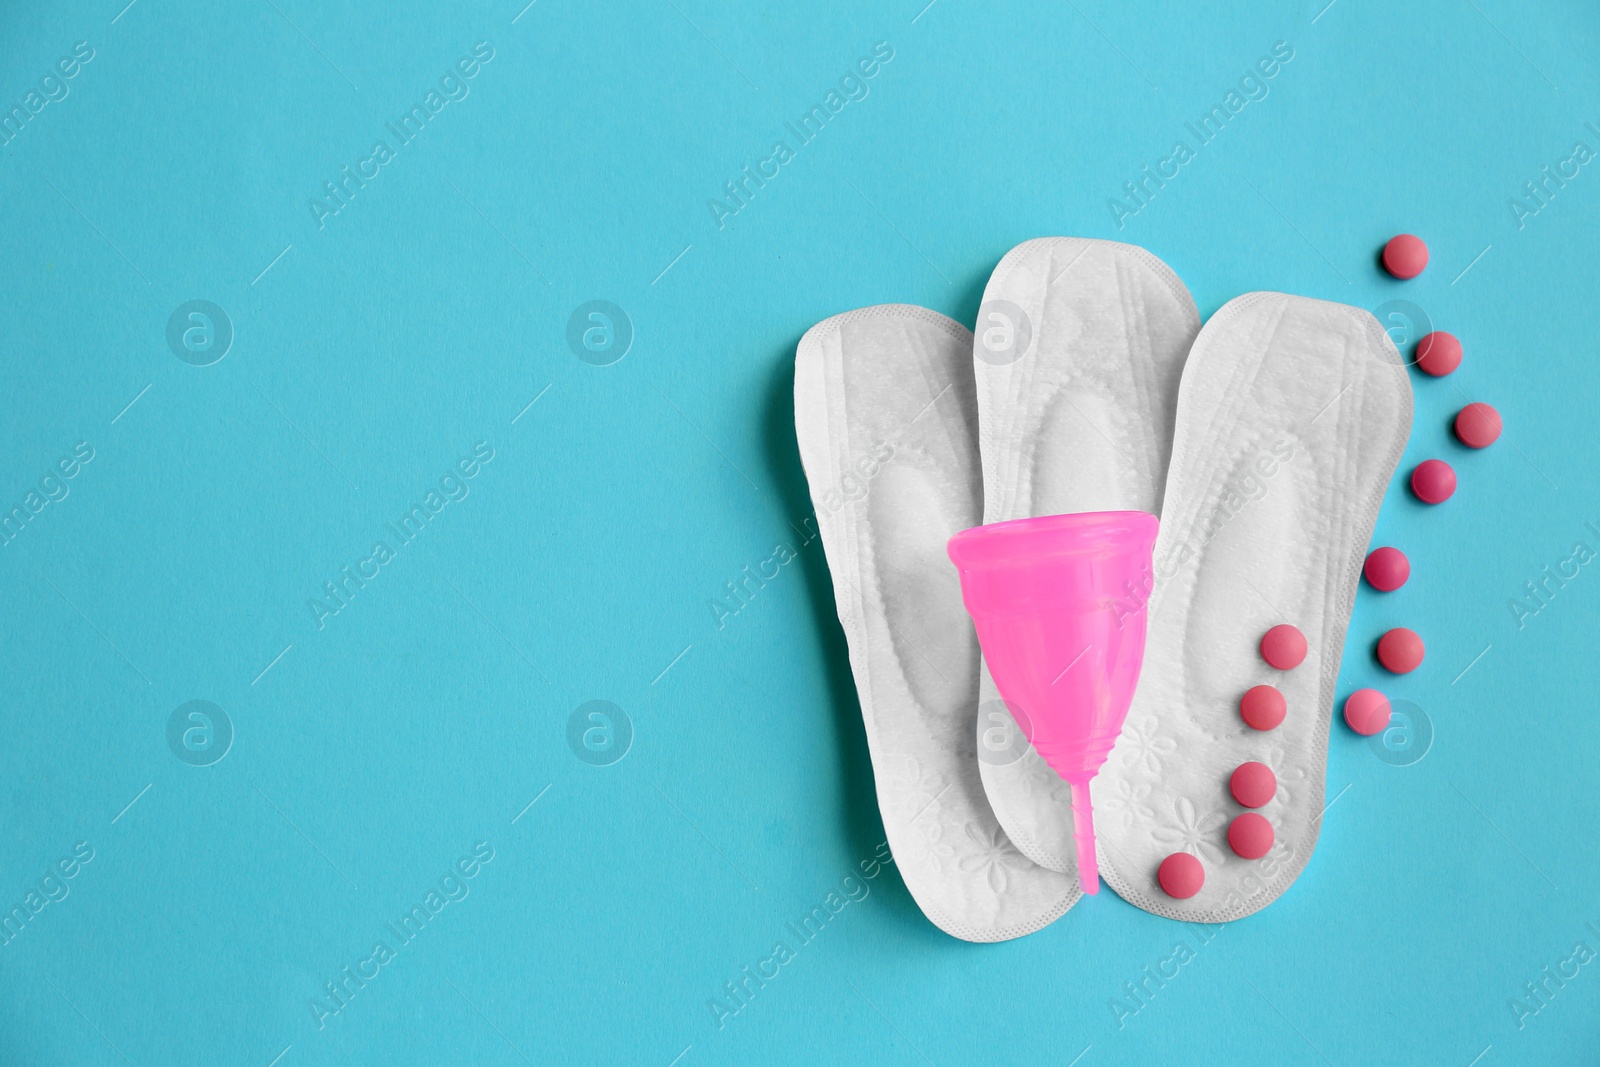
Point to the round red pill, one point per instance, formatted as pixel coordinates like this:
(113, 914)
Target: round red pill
(1250, 835)
(1181, 875)
(1263, 707)
(1400, 650)
(1366, 711)
(1253, 784)
(1478, 426)
(1439, 353)
(1284, 647)
(1434, 481)
(1386, 569)
(1405, 256)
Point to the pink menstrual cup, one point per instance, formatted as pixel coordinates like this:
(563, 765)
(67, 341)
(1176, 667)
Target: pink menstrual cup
(1059, 606)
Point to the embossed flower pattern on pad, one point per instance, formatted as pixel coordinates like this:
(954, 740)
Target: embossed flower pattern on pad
(1291, 776)
(1126, 801)
(913, 792)
(926, 847)
(1192, 832)
(1145, 748)
(1038, 781)
(995, 855)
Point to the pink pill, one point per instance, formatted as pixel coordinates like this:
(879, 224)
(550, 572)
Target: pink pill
(1478, 425)
(1434, 481)
(1387, 569)
(1400, 650)
(1250, 835)
(1439, 353)
(1284, 647)
(1366, 711)
(1263, 707)
(1405, 256)
(1181, 875)
(1253, 784)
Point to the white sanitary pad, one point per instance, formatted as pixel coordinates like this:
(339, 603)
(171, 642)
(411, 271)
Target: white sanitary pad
(1291, 417)
(887, 423)
(1079, 349)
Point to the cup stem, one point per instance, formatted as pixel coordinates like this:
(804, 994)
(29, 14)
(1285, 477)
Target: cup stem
(1083, 831)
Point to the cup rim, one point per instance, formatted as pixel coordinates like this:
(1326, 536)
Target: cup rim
(1048, 535)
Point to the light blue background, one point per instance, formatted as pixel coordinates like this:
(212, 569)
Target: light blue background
(426, 715)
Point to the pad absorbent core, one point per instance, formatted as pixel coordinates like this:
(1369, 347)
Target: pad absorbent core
(887, 421)
(1079, 349)
(1291, 417)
